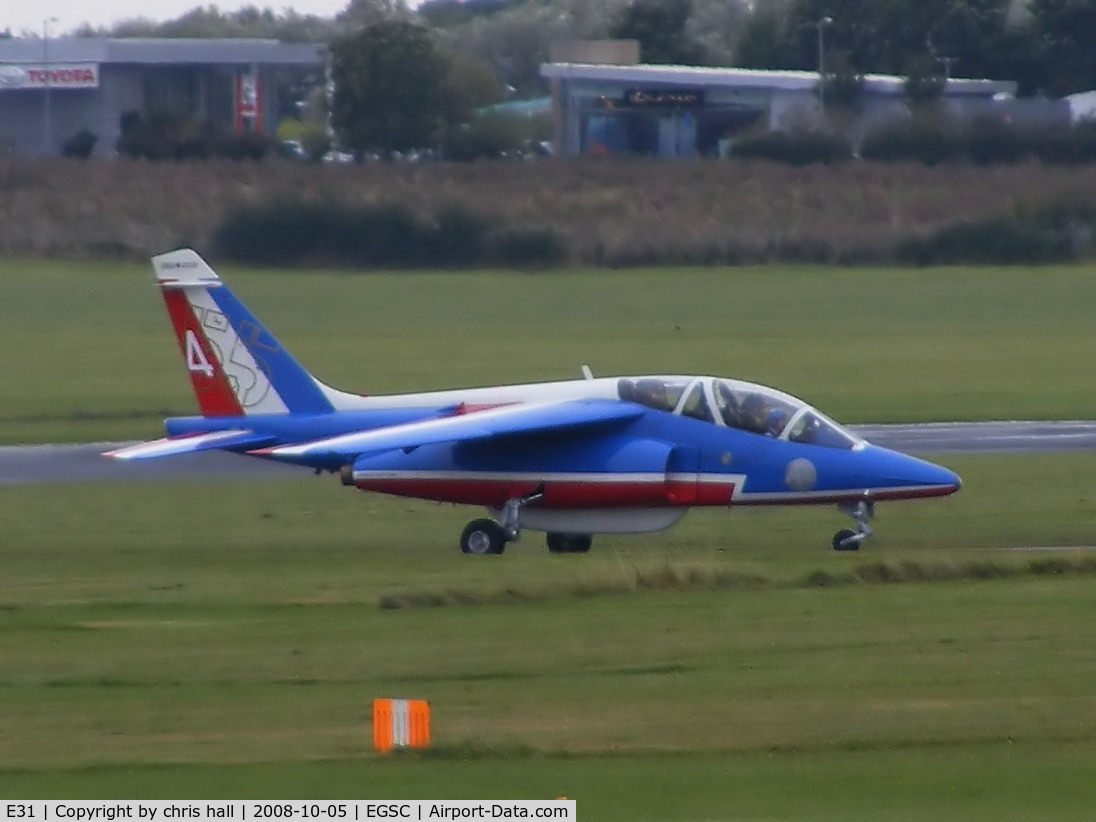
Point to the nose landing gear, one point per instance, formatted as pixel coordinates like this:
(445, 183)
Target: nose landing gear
(862, 511)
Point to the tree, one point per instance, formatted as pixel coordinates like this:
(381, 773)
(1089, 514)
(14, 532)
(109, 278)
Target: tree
(448, 13)
(716, 27)
(388, 88)
(514, 42)
(1063, 32)
(925, 79)
(762, 44)
(842, 85)
(659, 26)
(208, 21)
(884, 36)
(469, 85)
(360, 13)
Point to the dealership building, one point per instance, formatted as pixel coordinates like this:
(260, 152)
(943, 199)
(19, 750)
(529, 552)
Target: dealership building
(52, 88)
(604, 102)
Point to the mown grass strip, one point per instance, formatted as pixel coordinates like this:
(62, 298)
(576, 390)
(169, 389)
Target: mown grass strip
(675, 578)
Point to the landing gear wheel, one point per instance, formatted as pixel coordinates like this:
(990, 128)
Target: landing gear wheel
(846, 540)
(483, 536)
(861, 511)
(559, 543)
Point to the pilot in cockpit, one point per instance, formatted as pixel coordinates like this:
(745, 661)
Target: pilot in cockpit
(775, 421)
(753, 414)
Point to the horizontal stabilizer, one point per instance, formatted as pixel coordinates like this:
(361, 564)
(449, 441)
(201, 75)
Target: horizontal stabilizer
(232, 439)
(508, 421)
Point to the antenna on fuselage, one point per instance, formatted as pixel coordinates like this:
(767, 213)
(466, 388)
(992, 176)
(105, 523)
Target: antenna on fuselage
(587, 374)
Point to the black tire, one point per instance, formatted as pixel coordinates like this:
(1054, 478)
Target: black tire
(559, 543)
(483, 536)
(839, 540)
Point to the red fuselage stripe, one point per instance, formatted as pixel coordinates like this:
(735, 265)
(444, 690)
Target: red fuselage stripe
(494, 493)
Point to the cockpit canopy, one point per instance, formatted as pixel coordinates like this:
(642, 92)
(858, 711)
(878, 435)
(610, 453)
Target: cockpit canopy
(742, 405)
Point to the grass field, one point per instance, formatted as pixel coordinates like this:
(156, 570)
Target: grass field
(194, 640)
(88, 354)
(188, 639)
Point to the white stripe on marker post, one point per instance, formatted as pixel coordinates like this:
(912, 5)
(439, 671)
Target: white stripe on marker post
(400, 723)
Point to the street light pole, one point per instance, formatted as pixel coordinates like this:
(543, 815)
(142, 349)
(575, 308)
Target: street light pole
(821, 26)
(47, 124)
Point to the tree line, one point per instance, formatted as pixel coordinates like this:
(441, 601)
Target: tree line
(1044, 45)
(429, 69)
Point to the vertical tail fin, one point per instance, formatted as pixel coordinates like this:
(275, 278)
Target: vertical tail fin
(236, 366)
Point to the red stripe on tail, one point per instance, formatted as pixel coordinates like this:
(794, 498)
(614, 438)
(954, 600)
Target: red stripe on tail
(215, 395)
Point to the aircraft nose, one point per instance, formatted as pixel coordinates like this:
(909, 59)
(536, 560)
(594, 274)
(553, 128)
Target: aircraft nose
(947, 479)
(904, 471)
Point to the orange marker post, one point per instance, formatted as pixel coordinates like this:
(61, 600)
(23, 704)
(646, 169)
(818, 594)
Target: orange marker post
(400, 723)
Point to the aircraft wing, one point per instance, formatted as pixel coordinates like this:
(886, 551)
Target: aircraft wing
(188, 444)
(508, 421)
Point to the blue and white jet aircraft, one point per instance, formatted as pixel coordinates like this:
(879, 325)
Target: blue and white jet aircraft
(573, 458)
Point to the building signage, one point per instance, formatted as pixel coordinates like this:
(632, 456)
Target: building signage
(248, 101)
(51, 75)
(664, 97)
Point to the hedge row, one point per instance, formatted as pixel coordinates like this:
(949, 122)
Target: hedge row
(929, 142)
(983, 143)
(389, 236)
(381, 236)
(1055, 234)
(796, 148)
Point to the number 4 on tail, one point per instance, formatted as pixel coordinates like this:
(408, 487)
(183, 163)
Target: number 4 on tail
(196, 361)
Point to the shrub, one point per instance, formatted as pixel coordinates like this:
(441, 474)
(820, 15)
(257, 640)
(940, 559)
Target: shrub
(149, 135)
(290, 232)
(999, 241)
(799, 148)
(993, 141)
(315, 141)
(162, 135)
(926, 141)
(387, 235)
(80, 145)
(931, 140)
(371, 236)
(460, 238)
(528, 248)
(241, 146)
(488, 136)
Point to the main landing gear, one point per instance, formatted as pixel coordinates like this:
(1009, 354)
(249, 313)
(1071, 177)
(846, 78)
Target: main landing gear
(847, 539)
(569, 543)
(485, 536)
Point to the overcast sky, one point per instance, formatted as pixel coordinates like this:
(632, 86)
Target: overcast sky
(20, 16)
